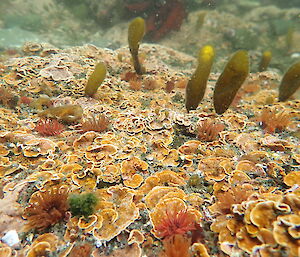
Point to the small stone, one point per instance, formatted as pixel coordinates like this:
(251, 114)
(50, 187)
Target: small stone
(295, 55)
(11, 238)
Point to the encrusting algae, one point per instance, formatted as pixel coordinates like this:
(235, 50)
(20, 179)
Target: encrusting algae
(130, 172)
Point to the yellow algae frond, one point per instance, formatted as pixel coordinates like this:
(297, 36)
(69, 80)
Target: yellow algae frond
(66, 113)
(40, 103)
(231, 79)
(290, 82)
(200, 20)
(95, 79)
(196, 86)
(136, 31)
(265, 61)
(290, 38)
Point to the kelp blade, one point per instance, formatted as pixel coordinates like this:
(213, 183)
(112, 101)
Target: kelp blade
(136, 31)
(265, 61)
(95, 79)
(231, 79)
(290, 82)
(195, 89)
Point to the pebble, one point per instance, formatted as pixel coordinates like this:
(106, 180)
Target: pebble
(11, 238)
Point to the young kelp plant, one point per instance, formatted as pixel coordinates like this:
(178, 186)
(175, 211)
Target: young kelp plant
(290, 82)
(95, 79)
(230, 81)
(136, 32)
(265, 61)
(82, 204)
(195, 89)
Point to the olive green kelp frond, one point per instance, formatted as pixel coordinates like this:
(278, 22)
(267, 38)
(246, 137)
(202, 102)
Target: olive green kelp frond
(231, 79)
(136, 31)
(290, 82)
(95, 79)
(265, 61)
(195, 88)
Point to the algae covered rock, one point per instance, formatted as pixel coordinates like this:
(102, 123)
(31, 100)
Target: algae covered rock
(243, 39)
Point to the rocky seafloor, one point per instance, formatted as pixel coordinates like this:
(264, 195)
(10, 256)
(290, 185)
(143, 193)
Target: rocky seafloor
(166, 182)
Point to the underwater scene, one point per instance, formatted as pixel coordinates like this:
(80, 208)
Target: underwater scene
(149, 128)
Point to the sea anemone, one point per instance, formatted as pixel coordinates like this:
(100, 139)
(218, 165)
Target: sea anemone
(49, 127)
(272, 121)
(176, 223)
(25, 100)
(7, 98)
(208, 130)
(135, 85)
(98, 124)
(170, 85)
(130, 75)
(46, 208)
(150, 84)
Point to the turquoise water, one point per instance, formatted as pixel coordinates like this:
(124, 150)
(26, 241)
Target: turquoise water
(184, 25)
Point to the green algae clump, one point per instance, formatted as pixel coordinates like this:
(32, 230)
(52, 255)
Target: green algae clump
(83, 204)
(265, 61)
(95, 80)
(290, 82)
(230, 81)
(136, 32)
(195, 88)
